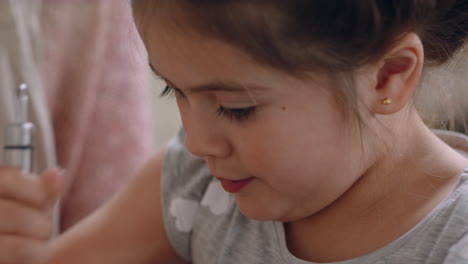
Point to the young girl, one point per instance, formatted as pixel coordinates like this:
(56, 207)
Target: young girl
(301, 143)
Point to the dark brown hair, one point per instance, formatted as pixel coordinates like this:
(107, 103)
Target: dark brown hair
(337, 36)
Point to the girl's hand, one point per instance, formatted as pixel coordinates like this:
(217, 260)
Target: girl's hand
(26, 204)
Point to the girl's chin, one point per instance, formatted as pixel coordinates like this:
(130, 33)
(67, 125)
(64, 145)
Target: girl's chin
(256, 211)
(273, 211)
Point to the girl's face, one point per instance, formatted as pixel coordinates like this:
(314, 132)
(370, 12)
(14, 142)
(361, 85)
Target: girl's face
(251, 122)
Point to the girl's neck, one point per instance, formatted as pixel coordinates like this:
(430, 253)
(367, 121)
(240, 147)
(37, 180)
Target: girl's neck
(390, 198)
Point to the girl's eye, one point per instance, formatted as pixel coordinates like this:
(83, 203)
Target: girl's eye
(236, 114)
(171, 91)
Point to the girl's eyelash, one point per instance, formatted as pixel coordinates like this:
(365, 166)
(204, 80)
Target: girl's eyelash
(236, 114)
(167, 92)
(171, 91)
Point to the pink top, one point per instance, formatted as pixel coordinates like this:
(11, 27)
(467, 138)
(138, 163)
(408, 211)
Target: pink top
(95, 82)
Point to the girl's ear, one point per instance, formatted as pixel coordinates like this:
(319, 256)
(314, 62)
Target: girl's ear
(398, 74)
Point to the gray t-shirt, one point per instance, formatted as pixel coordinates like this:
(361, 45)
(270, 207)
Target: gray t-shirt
(205, 227)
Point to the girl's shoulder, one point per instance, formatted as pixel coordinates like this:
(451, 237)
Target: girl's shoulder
(458, 253)
(456, 223)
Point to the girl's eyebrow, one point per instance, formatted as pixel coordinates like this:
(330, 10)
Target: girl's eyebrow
(225, 86)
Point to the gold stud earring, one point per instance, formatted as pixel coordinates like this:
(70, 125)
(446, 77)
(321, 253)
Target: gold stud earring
(387, 101)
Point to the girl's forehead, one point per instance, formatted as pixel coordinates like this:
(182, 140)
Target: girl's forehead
(187, 61)
(180, 58)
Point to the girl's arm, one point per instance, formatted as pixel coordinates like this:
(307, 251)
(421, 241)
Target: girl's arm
(127, 230)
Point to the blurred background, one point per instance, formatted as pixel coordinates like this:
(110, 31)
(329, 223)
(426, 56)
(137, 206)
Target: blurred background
(164, 114)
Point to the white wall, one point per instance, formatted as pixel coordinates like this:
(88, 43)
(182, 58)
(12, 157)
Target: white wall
(165, 118)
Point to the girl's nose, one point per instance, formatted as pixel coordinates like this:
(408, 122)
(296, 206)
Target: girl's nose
(205, 139)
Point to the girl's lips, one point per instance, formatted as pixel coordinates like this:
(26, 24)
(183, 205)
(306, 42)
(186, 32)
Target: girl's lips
(235, 186)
